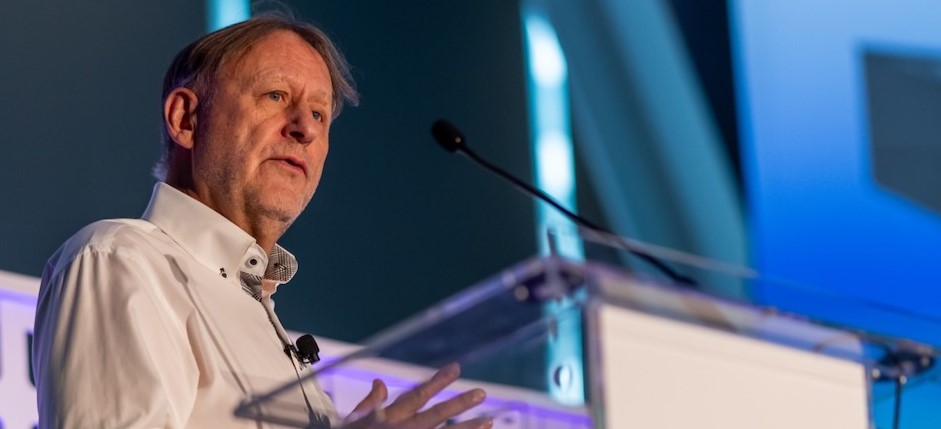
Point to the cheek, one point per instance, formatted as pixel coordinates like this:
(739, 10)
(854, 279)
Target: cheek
(318, 153)
(222, 137)
(318, 159)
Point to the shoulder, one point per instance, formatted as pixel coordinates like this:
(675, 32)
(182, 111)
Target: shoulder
(109, 235)
(113, 232)
(122, 238)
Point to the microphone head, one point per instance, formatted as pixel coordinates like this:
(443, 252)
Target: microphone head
(307, 349)
(447, 135)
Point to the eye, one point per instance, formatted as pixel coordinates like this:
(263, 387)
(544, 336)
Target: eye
(275, 96)
(317, 116)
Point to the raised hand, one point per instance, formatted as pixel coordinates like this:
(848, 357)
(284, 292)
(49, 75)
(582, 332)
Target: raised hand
(404, 412)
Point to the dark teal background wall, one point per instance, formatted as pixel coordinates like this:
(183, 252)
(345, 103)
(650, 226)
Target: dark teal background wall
(397, 223)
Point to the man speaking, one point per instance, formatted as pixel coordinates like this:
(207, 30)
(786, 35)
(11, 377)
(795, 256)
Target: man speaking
(167, 321)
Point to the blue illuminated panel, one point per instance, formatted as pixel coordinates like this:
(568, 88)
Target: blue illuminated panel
(554, 167)
(222, 13)
(822, 101)
(819, 214)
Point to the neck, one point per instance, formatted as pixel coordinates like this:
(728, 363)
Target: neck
(265, 229)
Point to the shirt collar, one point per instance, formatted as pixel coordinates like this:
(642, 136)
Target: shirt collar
(211, 239)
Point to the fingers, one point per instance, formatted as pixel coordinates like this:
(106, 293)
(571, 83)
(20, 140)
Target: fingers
(443, 411)
(410, 402)
(404, 412)
(373, 401)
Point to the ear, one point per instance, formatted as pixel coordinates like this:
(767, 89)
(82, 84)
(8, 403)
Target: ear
(179, 116)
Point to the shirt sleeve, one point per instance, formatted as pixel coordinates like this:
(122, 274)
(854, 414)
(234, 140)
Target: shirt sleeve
(109, 352)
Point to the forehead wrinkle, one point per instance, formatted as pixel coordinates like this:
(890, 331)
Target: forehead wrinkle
(253, 67)
(244, 68)
(266, 75)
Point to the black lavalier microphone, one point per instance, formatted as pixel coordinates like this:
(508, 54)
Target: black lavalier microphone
(307, 349)
(452, 140)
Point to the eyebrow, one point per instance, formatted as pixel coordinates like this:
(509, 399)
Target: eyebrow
(319, 96)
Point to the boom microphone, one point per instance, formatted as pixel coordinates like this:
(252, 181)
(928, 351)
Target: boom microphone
(452, 140)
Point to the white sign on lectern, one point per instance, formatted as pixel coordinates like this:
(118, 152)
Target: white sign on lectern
(724, 371)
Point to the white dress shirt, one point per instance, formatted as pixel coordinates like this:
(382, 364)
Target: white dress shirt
(143, 323)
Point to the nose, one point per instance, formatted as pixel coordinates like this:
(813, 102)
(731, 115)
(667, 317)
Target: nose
(301, 126)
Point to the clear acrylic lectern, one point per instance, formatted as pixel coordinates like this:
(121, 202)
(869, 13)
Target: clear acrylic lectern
(657, 354)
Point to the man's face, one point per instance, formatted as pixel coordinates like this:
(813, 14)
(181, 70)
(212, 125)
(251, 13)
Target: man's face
(262, 139)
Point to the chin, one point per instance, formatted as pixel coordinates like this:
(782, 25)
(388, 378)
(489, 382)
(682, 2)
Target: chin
(280, 210)
(286, 217)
